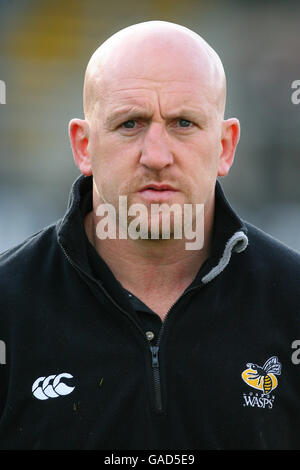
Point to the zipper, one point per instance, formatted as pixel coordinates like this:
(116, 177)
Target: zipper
(155, 366)
(155, 355)
(154, 350)
(156, 377)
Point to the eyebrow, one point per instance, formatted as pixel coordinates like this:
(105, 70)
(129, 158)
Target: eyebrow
(188, 113)
(136, 112)
(126, 113)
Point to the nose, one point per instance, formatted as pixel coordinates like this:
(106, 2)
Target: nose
(156, 153)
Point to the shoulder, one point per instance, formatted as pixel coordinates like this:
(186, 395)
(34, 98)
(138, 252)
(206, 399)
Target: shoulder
(262, 241)
(20, 260)
(26, 271)
(268, 253)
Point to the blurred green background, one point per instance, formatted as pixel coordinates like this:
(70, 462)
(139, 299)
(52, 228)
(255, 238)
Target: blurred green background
(44, 49)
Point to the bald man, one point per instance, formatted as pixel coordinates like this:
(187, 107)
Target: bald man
(119, 336)
(154, 98)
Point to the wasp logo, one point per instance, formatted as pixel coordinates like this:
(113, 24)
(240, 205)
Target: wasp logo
(263, 377)
(51, 386)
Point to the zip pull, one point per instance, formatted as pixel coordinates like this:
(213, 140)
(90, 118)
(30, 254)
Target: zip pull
(156, 377)
(154, 353)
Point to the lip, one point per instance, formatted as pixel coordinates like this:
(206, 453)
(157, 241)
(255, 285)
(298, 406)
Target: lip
(157, 192)
(158, 187)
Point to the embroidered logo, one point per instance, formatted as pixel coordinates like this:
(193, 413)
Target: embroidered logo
(262, 378)
(51, 386)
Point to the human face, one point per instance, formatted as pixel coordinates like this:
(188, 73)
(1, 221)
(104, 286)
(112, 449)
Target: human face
(165, 133)
(156, 131)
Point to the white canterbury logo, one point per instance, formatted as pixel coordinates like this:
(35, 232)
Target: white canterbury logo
(51, 387)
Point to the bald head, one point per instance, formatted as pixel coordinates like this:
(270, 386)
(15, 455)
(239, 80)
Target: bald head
(156, 51)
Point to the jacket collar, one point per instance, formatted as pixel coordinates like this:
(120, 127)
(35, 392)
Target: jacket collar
(229, 233)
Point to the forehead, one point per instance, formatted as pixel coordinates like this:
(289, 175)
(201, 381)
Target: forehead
(169, 73)
(154, 70)
(150, 95)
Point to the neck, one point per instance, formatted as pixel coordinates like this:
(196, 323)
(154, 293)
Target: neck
(156, 271)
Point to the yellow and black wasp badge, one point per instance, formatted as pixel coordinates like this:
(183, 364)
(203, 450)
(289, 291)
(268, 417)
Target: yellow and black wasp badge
(263, 377)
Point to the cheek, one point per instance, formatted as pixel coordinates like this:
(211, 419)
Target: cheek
(101, 154)
(111, 169)
(203, 158)
(202, 155)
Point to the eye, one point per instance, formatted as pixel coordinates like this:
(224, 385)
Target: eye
(184, 123)
(129, 124)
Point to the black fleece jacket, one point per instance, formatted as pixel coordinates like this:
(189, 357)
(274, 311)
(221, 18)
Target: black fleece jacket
(87, 366)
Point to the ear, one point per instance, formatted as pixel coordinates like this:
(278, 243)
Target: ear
(229, 141)
(79, 138)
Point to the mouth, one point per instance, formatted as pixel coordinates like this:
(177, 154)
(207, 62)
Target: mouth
(157, 192)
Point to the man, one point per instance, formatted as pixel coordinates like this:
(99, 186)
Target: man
(139, 343)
